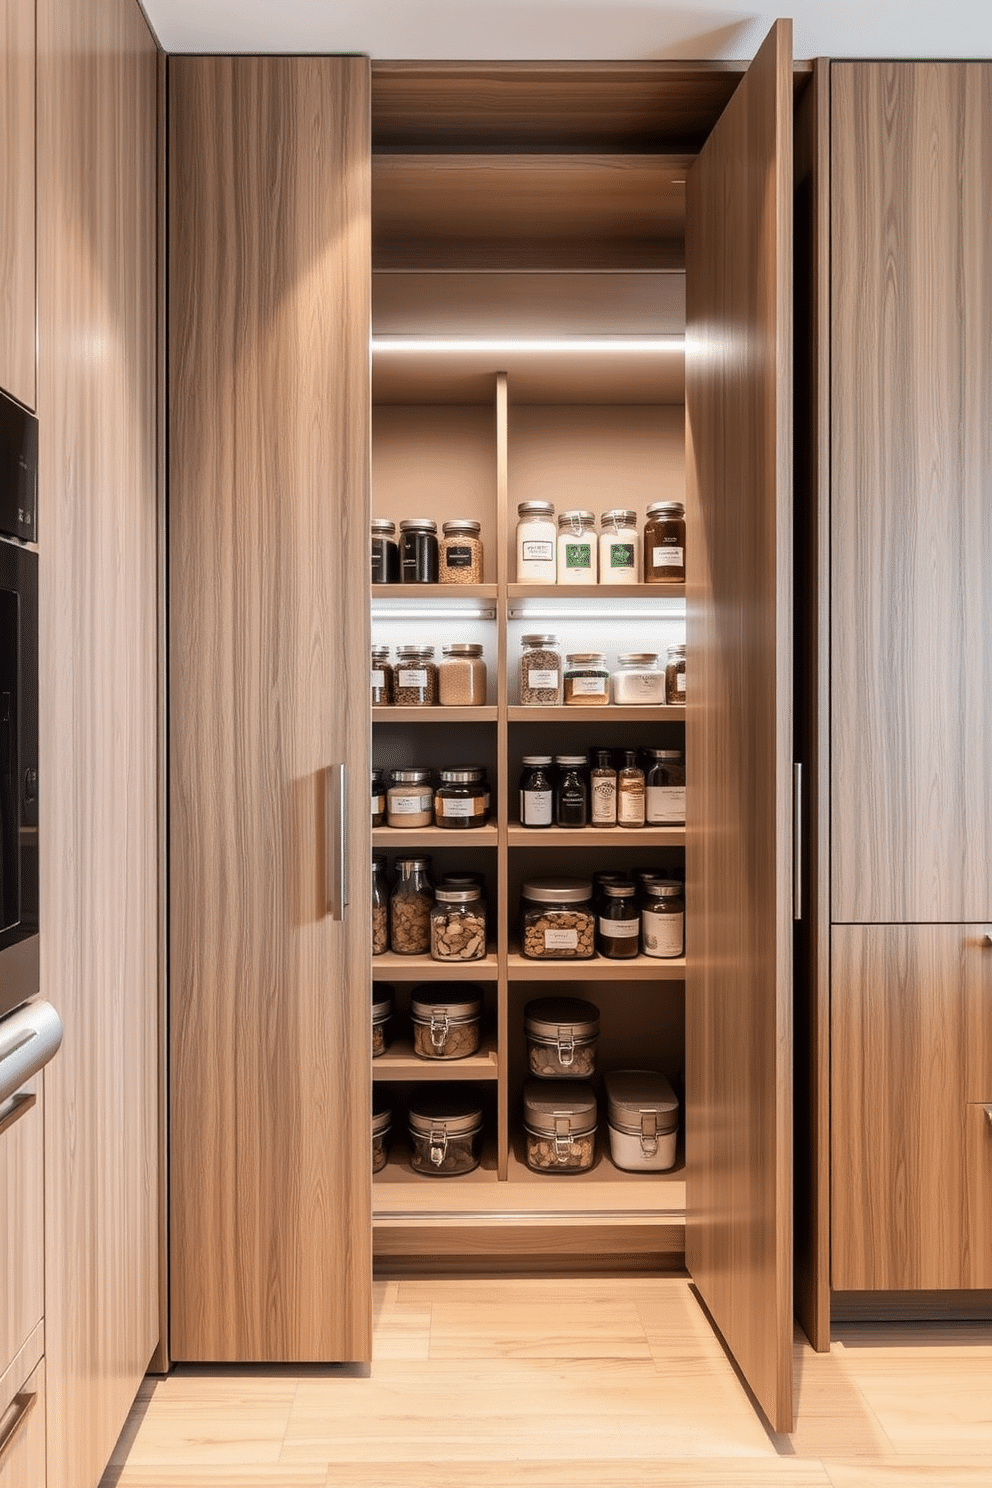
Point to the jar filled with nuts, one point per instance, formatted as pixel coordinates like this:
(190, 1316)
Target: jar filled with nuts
(460, 552)
(562, 1035)
(382, 1016)
(380, 905)
(415, 677)
(540, 670)
(382, 677)
(458, 925)
(382, 1123)
(557, 922)
(461, 676)
(410, 908)
(445, 1132)
(560, 1125)
(445, 1021)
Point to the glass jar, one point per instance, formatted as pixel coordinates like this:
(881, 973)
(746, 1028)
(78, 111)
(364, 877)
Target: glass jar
(461, 798)
(619, 547)
(382, 677)
(643, 1114)
(600, 879)
(540, 670)
(378, 798)
(572, 791)
(536, 562)
(619, 924)
(410, 908)
(458, 925)
(562, 1036)
(664, 543)
(536, 791)
(665, 788)
(578, 549)
(445, 1022)
(602, 789)
(556, 919)
(385, 552)
(418, 550)
(415, 677)
(410, 798)
(638, 681)
(380, 905)
(460, 552)
(445, 1132)
(382, 1125)
(587, 681)
(675, 675)
(382, 1017)
(663, 918)
(461, 676)
(630, 791)
(560, 1126)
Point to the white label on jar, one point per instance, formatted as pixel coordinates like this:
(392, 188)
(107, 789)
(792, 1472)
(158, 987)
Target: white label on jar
(668, 557)
(417, 677)
(535, 808)
(537, 550)
(619, 929)
(663, 933)
(630, 808)
(378, 678)
(561, 940)
(604, 802)
(680, 682)
(588, 686)
(639, 687)
(666, 805)
(538, 678)
(460, 806)
(410, 805)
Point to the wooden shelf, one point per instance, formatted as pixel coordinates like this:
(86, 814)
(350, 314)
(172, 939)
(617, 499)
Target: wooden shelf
(400, 1063)
(594, 837)
(484, 714)
(565, 594)
(404, 594)
(389, 967)
(597, 969)
(431, 1191)
(433, 837)
(664, 713)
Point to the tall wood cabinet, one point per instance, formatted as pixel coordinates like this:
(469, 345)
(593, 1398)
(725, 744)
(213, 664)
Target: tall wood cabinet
(18, 322)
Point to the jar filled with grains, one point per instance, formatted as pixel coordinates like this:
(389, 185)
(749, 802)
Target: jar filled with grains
(587, 680)
(560, 1126)
(382, 677)
(540, 670)
(382, 1124)
(415, 677)
(619, 547)
(410, 908)
(460, 552)
(578, 549)
(461, 676)
(675, 675)
(410, 798)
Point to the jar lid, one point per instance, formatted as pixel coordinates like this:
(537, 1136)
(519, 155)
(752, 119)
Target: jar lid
(539, 640)
(380, 653)
(602, 759)
(453, 1007)
(423, 860)
(454, 1113)
(566, 1107)
(462, 775)
(463, 525)
(574, 518)
(678, 652)
(586, 658)
(664, 754)
(471, 894)
(462, 648)
(535, 509)
(622, 516)
(536, 759)
(641, 1101)
(415, 653)
(547, 1017)
(608, 875)
(464, 880)
(570, 761)
(382, 1114)
(639, 658)
(382, 1010)
(666, 509)
(378, 775)
(418, 524)
(411, 775)
(664, 888)
(619, 890)
(383, 527)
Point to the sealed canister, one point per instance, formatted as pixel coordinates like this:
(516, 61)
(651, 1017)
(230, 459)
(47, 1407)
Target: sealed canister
(382, 1014)
(560, 1125)
(562, 1035)
(382, 1123)
(643, 1114)
(445, 1132)
(445, 1019)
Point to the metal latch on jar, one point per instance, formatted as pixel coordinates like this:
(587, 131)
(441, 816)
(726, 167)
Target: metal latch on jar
(439, 1030)
(566, 1046)
(439, 1144)
(563, 1138)
(649, 1133)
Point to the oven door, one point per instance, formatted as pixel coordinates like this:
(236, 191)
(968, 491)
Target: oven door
(18, 775)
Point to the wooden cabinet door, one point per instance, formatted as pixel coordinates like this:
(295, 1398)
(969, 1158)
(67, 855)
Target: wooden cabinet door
(739, 725)
(18, 331)
(269, 282)
(911, 538)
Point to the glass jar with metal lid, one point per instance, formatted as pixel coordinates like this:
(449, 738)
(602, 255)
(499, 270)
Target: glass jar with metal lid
(638, 681)
(458, 924)
(445, 1132)
(664, 788)
(382, 677)
(415, 677)
(382, 1017)
(556, 919)
(536, 560)
(418, 551)
(460, 552)
(562, 1036)
(382, 1125)
(619, 547)
(560, 1126)
(675, 675)
(410, 798)
(446, 1020)
(587, 680)
(385, 552)
(540, 670)
(380, 905)
(578, 550)
(663, 918)
(618, 929)
(461, 798)
(461, 676)
(664, 543)
(643, 1115)
(410, 907)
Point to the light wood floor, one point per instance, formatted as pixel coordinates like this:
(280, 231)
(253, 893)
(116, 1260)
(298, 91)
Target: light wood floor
(584, 1383)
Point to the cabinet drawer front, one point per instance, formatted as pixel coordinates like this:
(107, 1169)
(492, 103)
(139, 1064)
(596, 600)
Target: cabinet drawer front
(22, 1434)
(22, 1231)
(978, 1169)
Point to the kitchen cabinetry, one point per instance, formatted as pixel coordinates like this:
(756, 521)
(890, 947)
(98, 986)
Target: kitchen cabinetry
(17, 199)
(22, 1170)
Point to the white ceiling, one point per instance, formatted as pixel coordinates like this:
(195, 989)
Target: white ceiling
(571, 29)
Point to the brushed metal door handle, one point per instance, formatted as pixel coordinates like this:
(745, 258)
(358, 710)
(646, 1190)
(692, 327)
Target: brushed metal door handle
(22, 1405)
(988, 1115)
(336, 845)
(19, 1106)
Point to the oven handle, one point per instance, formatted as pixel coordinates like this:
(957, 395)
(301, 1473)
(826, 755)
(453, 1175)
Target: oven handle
(29, 1038)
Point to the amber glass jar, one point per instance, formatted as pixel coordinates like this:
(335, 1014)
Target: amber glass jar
(664, 543)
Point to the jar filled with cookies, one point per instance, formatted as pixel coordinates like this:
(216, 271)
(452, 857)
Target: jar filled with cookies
(410, 908)
(556, 919)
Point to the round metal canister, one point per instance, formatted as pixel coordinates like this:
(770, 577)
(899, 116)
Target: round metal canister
(643, 1115)
(562, 1035)
(445, 1021)
(560, 1125)
(382, 1012)
(445, 1132)
(382, 1121)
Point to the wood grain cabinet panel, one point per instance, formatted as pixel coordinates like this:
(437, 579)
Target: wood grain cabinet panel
(17, 200)
(22, 1235)
(979, 1193)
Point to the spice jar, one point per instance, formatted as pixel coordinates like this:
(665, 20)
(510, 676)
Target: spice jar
(536, 535)
(556, 919)
(602, 789)
(382, 1125)
(460, 552)
(462, 797)
(382, 1016)
(665, 788)
(378, 798)
(619, 547)
(577, 548)
(418, 550)
(630, 791)
(562, 1036)
(643, 1112)
(619, 924)
(445, 1132)
(410, 908)
(675, 675)
(572, 793)
(380, 906)
(415, 677)
(663, 918)
(410, 798)
(445, 1021)
(638, 681)
(587, 680)
(536, 791)
(540, 670)
(461, 676)
(560, 1126)
(664, 543)
(382, 677)
(458, 925)
(385, 552)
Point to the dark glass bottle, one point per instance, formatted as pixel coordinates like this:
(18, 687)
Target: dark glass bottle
(572, 794)
(536, 791)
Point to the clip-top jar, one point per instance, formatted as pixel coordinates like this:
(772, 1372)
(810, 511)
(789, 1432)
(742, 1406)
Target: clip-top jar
(560, 1126)
(562, 1035)
(664, 543)
(445, 1020)
(536, 560)
(578, 549)
(385, 552)
(619, 547)
(445, 1132)
(418, 550)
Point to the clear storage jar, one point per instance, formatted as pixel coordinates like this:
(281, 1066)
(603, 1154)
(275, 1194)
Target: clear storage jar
(556, 919)
(382, 1125)
(665, 788)
(619, 547)
(410, 798)
(560, 1126)
(540, 670)
(602, 789)
(445, 1133)
(446, 1021)
(675, 675)
(415, 677)
(461, 676)
(458, 925)
(380, 906)
(418, 551)
(638, 681)
(643, 1116)
(664, 543)
(663, 918)
(460, 552)
(410, 908)
(578, 549)
(385, 552)
(382, 677)
(562, 1037)
(382, 1017)
(618, 929)
(630, 791)
(536, 543)
(587, 679)
(461, 799)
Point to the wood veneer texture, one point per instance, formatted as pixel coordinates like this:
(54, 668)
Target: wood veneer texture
(269, 510)
(22, 1248)
(18, 334)
(739, 725)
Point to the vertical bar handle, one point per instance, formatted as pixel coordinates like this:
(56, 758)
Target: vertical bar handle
(336, 844)
(797, 841)
(988, 1115)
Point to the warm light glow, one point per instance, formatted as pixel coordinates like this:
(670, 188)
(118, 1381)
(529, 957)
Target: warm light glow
(578, 345)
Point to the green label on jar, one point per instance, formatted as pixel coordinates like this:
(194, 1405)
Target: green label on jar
(621, 555)
(578, 555)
